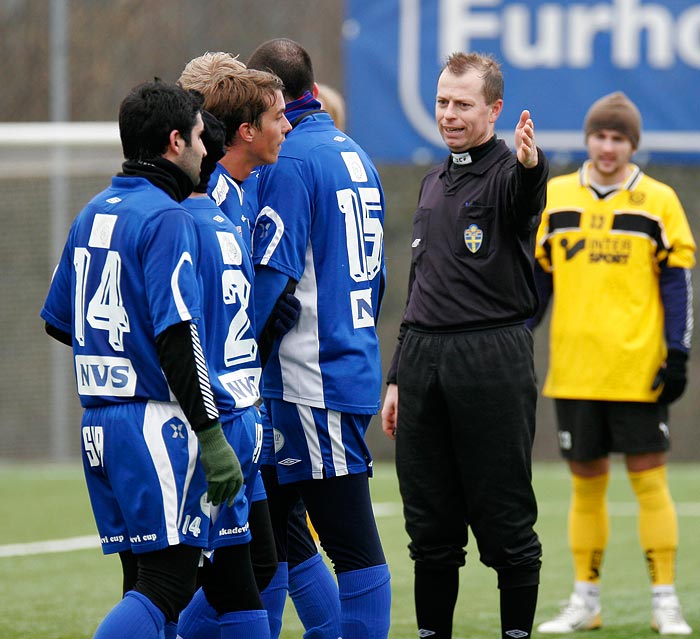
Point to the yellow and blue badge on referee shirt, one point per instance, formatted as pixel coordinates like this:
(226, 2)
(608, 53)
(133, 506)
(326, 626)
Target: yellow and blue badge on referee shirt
(473, 236)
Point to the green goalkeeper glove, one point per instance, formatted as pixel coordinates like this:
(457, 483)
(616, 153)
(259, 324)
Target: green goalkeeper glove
(221, 466)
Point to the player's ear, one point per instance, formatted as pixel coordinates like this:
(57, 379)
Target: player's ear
(175, 140)
(314, 90)
(246, 131)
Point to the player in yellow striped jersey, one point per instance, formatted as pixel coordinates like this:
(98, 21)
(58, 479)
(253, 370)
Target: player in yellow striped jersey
(615, 249)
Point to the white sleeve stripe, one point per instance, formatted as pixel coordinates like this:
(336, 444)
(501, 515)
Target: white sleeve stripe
(182, 309)
(279, 232)
(203, 374)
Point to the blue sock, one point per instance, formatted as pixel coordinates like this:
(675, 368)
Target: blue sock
(135, 617)
(314, 592)
(170, 630)
(245, 623)
(198, 620)
(365, 602)
(274, 597)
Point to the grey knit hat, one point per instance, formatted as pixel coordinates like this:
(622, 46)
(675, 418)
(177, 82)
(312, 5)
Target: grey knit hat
(617, 112)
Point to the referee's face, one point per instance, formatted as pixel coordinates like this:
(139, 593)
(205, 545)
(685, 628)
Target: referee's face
(463, 117)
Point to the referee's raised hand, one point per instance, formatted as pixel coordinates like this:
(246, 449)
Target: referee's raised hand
(525, 147)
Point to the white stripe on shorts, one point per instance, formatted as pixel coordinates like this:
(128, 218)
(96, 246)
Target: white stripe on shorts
(307, 423)
(333, 424)
(340, 462)
(192, 452)
(157, 414)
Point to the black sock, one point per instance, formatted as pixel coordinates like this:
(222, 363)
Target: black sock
(435, 591)
(518, 611)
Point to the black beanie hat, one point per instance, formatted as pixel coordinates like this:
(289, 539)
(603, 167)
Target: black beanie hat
(213, 137)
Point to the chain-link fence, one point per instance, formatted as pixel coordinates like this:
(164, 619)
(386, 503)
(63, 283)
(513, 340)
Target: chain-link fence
(110, 46)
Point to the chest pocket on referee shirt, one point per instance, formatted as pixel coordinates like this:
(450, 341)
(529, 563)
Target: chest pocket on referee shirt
(419, 238)
(472, 232)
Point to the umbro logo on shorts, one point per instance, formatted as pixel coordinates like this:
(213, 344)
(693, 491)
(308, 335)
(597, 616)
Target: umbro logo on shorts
(425, 633)
(289, 461)
(516, 634)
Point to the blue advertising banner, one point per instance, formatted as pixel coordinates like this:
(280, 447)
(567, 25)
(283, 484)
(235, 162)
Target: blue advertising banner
(557, 58)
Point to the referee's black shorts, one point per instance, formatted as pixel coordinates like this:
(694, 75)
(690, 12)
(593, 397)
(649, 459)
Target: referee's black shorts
(466, 423)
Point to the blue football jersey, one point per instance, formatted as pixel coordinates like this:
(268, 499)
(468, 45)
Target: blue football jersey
(226, 272)
(250, 201)
(321, 223)
(230, 197)
(126, 274)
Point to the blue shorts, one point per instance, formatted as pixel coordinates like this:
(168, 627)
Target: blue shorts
(315, 443)
(258, 492)
(146, 487)
(267, 457)
(243, 431)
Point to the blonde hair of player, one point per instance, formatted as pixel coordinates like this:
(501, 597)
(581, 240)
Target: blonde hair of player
(205, 71)
(232, 92)
(332, 101)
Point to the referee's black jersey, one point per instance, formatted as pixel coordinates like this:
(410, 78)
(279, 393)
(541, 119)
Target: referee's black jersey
(473, 242)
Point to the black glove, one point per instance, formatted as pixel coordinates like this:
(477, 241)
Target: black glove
(285, 313)
(673, 375)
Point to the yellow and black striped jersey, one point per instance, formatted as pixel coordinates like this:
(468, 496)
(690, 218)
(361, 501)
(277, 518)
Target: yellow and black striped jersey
(605, 254)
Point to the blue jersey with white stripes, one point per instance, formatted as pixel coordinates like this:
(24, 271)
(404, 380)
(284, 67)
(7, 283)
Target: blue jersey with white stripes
(321, 224)
(250, 202)
(233, 199)
(228, 335)
(126, 274)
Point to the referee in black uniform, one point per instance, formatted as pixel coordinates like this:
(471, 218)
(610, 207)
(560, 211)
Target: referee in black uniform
(461, 392)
